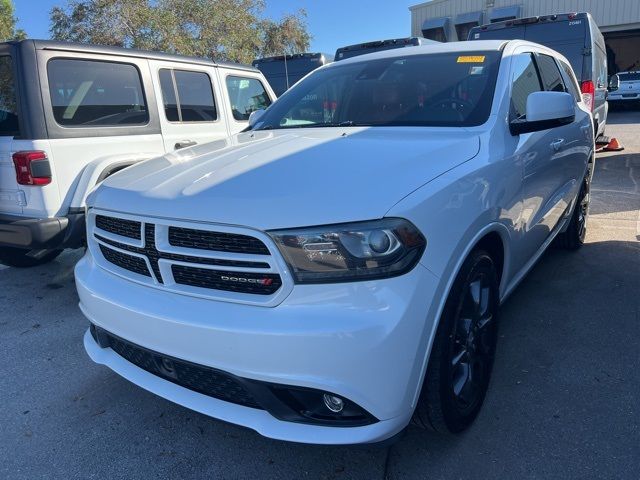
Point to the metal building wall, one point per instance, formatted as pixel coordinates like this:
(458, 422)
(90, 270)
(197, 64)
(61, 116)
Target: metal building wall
(611, 15)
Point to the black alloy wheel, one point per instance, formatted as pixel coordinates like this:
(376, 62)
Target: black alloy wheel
(462, 357)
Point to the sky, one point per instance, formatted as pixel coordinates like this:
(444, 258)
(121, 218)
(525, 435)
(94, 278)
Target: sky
(332, 23)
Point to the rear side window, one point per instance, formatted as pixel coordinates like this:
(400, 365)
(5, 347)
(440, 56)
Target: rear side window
(525, 82)
(8, 107)
(95, 93)
(629, 77)
(550, 73)
(246, 95)
(187, 96)
(571, 83)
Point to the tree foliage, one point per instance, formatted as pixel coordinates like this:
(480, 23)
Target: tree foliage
(8, 22)
(222, 29)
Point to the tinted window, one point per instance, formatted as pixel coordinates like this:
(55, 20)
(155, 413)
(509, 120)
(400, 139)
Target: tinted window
(525, 82)
(629, 77)
(194, 101)
(445, 89)
(8, 108)
(246, 95)
(195, 96)
(92, 93)
(169, 95)
(551, 77)
(571, 83)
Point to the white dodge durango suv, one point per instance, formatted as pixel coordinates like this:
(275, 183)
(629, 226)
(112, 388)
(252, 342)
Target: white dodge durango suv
(337, 269)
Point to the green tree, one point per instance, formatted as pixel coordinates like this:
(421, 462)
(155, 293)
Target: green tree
(221, 29)
(8, 22)
(286, 37)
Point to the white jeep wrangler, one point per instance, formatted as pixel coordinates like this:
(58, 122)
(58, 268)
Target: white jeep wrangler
(71, 115)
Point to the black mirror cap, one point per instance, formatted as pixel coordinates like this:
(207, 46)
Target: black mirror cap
(519, 127)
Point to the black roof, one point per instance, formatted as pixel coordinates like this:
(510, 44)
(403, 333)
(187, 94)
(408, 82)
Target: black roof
(128, 52)
(531, 20)
(294, 56)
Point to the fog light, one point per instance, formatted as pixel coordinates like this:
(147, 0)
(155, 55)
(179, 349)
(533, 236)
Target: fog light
(333, 403)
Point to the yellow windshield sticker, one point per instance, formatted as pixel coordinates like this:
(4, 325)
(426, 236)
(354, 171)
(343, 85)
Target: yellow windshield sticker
(471, 59)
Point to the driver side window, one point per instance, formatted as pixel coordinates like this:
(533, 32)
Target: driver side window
(525, 81)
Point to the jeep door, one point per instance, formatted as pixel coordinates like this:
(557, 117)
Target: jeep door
(189, 104)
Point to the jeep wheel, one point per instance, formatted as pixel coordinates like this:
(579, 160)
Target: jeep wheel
(461, 360)
(17, 257)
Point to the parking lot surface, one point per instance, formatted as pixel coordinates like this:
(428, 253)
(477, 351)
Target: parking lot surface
(563, 402)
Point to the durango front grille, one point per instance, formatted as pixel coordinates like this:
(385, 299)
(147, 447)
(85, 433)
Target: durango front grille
(228, 264)
(206, 380)
(223, 242)
(119, 226)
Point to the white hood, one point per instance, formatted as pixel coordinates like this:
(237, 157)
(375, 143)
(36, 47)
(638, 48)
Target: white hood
(288, 178)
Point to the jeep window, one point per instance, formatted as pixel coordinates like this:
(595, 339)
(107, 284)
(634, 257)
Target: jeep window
(169, 97)
(8, 107)
(246, 95)
(95, 93)
(525, 81)
(187, 96)
(551, 77)
(444, 89)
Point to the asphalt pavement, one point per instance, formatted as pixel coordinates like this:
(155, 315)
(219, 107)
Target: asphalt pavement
(563, 402)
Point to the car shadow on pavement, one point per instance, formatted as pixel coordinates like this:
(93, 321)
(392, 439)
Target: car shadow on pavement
(616, 186)
(565, 384)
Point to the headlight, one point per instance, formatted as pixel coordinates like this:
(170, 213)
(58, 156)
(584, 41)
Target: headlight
(352, 251)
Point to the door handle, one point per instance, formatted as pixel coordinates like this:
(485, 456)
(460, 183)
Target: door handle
(184, 144)
(557, 144)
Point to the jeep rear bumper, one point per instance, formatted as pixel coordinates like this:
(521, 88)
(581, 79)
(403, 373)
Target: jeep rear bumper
(42, 233)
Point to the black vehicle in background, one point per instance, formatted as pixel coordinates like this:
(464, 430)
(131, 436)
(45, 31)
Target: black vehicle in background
(370, 47)
(284, 71)
(574, 35)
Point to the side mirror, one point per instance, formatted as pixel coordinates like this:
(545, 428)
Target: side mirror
(255, 117)
(614, 83)
(545, 110)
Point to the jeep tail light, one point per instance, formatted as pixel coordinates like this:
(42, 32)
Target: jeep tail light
(588, 94)
(32, 168)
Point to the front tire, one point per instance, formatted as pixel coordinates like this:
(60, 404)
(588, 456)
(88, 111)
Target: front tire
(462, 357)
(20, 258)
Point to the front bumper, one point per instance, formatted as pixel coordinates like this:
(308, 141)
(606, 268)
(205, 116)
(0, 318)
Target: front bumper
(42, 233)
(366, 342)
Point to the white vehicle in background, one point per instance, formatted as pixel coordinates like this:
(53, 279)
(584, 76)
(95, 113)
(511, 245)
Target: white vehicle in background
(624, 88)
(71, 115)
(338, 269)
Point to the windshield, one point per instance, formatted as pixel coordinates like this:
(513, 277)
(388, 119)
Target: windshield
(447, 89)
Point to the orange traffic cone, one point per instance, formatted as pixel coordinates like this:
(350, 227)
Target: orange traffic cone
(613, 146)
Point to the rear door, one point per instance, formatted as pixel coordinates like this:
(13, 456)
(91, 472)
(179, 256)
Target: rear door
(12, 199)
(189, 103)
(554, 171)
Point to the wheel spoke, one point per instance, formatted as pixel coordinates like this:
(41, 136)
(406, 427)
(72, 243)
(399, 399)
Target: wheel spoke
(458, 358)
(461, 379)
